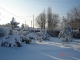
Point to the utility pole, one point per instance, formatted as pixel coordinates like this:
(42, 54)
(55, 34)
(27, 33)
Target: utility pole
(67, 16)
(25, 23)
(31, 24)
(33, 20)
(0, 13)
(63, 22)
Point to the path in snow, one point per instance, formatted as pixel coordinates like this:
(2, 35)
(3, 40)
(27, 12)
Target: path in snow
(47, 50)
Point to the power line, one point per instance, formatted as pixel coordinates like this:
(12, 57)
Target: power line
(55, 1)
(19, 16)
(7, 11)
(10, 18)
(25, 16)
(11, 13)
(5, 17)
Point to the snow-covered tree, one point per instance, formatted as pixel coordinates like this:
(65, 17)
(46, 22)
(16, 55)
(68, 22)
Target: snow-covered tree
(13, 41)
(66, 34)
(12, 38)
(14, 23)
(22, 26)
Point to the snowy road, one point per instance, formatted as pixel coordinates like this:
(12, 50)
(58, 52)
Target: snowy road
(47, 50)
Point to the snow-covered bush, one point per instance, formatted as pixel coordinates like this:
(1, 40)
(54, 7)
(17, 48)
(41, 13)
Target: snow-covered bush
(76, 34)
(53, 33)
(2, 40)
(2, 32)
(8, 39)
(25, 32)
(8, 32)
(24, 35)
(27, 37)
(65, 34)
(46, 36)
(14, 40)
(42, 35)
(40, 38)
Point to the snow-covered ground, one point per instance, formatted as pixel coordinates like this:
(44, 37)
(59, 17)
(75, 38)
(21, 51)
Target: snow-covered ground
(46, 50)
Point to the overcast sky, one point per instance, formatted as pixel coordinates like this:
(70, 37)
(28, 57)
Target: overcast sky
(26, 8)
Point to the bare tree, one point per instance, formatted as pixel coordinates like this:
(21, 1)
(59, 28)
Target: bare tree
(55, 20)
(44, 19)
(52, 19)
(41, 20)
(74, 18)
(49, 18)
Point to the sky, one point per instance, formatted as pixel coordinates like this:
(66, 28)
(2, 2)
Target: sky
(23, 10)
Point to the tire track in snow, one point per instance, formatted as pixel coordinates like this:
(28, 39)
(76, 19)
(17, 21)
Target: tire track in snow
(49, 55)
(59, 45)
(73, 46)
(54, 58)
(74, 58)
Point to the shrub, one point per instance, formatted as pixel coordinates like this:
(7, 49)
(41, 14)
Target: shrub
(2, 32)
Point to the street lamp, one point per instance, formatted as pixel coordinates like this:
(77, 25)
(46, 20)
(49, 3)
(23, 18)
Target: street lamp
(0, 13)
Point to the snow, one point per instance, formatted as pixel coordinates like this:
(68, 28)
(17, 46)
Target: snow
(11, 40)
(46, 50)
(15, 36)
(2, 39)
